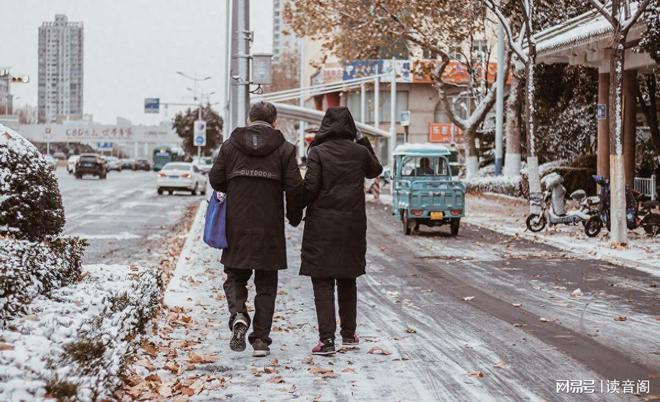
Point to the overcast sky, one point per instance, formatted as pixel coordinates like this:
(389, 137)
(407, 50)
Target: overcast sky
(132, 49)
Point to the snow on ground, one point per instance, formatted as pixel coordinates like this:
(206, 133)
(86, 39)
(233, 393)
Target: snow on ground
(79, 335)
(507, 215)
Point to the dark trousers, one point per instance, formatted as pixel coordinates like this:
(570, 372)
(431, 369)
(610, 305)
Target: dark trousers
(236, 293)
(324, 299)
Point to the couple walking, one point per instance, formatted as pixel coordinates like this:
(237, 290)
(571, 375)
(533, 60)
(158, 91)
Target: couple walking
(255, 166)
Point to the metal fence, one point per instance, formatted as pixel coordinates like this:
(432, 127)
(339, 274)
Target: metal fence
(646, 186)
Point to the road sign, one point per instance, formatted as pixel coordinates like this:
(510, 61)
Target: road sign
(151, 105)
(601, 111)
(405, 118)
(103, 145)
(199, 134)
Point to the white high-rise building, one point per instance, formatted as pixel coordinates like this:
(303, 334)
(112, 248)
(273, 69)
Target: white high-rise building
(284, 40)
(60, 70)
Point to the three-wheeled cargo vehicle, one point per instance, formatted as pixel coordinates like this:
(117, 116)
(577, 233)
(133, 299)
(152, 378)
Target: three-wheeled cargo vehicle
(424, 192)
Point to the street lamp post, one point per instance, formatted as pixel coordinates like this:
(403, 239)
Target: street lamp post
(195, 80)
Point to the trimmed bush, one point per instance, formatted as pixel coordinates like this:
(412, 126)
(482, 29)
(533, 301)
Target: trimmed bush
(80, 336)
(30, 200)
(494, 184)
(28, 269)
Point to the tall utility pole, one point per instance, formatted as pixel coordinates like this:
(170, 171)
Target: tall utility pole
(392, 142)
(301, 79)
(499, 102)
(240, 60)
(227, 126)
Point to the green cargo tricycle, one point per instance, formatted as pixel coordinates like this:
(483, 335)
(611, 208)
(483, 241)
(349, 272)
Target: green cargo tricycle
(424, 192)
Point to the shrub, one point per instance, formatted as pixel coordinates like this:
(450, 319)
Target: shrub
(29, 195)
(28, 269)
(494, 184)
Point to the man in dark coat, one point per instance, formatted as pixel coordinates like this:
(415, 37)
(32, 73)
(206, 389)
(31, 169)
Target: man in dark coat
(253, 168)
(334, 239)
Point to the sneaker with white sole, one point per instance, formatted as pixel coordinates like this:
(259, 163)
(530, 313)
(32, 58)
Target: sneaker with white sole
(325, 347)
(351, 343)
(239, 329)
(261, 348)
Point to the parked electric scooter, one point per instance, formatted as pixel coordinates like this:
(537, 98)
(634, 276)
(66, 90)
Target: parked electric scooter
(637, 214)
(553, 208)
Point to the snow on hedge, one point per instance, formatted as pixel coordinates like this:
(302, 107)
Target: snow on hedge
(28, 269)
(30, 200)
(515, 186)
(73, 343)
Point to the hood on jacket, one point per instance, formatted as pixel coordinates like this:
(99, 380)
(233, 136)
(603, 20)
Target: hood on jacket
(258, 139)
(337, 123)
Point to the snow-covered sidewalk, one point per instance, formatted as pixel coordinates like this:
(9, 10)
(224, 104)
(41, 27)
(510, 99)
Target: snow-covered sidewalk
(187, 354)
(507, 215)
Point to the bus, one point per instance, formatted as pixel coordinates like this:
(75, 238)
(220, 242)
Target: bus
(164, 154)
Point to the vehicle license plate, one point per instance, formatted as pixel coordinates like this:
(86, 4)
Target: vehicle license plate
(436, 216)
(174, 177)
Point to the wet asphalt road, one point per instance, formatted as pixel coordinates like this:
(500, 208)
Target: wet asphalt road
(123, 217)
(519, 307)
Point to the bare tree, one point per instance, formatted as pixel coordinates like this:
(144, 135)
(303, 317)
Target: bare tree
(527, 56)
(363, 29)
(621, 17)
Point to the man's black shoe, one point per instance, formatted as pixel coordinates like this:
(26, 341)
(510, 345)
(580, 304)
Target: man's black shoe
(261, 348)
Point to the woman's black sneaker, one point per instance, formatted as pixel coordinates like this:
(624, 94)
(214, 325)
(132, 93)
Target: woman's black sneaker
(351, 343)
(260, 347)
(325, 347)
(239, 330)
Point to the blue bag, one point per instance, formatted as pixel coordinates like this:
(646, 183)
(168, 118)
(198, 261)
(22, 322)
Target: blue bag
(216, 222)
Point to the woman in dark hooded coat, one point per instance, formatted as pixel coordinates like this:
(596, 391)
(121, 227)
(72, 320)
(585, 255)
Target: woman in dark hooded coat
(334, 240)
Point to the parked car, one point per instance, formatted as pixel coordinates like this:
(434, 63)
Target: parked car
(142, 164)
(51, 161)
(204, 163)
(127, 164)
(71, 163)
(181, 176)
(113, 163)
(91, 164)
(60, 156)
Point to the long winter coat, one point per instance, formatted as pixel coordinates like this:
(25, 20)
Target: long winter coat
(334, 239)
(254, 167)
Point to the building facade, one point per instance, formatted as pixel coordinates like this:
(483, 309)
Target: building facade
(283, 38)
(60, 70)
(6, 99)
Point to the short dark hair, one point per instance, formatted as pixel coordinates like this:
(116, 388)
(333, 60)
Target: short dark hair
(263, 111)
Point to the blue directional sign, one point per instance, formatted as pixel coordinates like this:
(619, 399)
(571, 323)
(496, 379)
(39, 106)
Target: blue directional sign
(151, 105)
(103, 145)
(199, 133)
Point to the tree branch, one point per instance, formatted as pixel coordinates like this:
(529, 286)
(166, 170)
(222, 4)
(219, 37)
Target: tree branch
(641, 7)
(603, 11)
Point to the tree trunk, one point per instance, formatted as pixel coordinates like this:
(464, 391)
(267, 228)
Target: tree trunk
(512, 157)
(471, 155)
(530, 111)
(618, 233)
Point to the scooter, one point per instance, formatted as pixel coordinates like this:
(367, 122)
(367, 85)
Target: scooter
(637, 214)
(553, 208)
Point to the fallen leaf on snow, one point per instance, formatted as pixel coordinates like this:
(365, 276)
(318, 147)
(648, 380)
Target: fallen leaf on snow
(577, 293)
(276, 380)
(6, 346)
(543, 319)
(500, 365)
(348, 370)
(516, 304)
(468, 298)
(411, 330)
(476, 373)
(378, 351)
(308, 360)
(149, 348)
(620, 318)
(270, 370)
(195, 358)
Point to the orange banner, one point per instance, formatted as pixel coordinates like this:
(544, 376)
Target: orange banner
(445, 133)
(454, 73)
